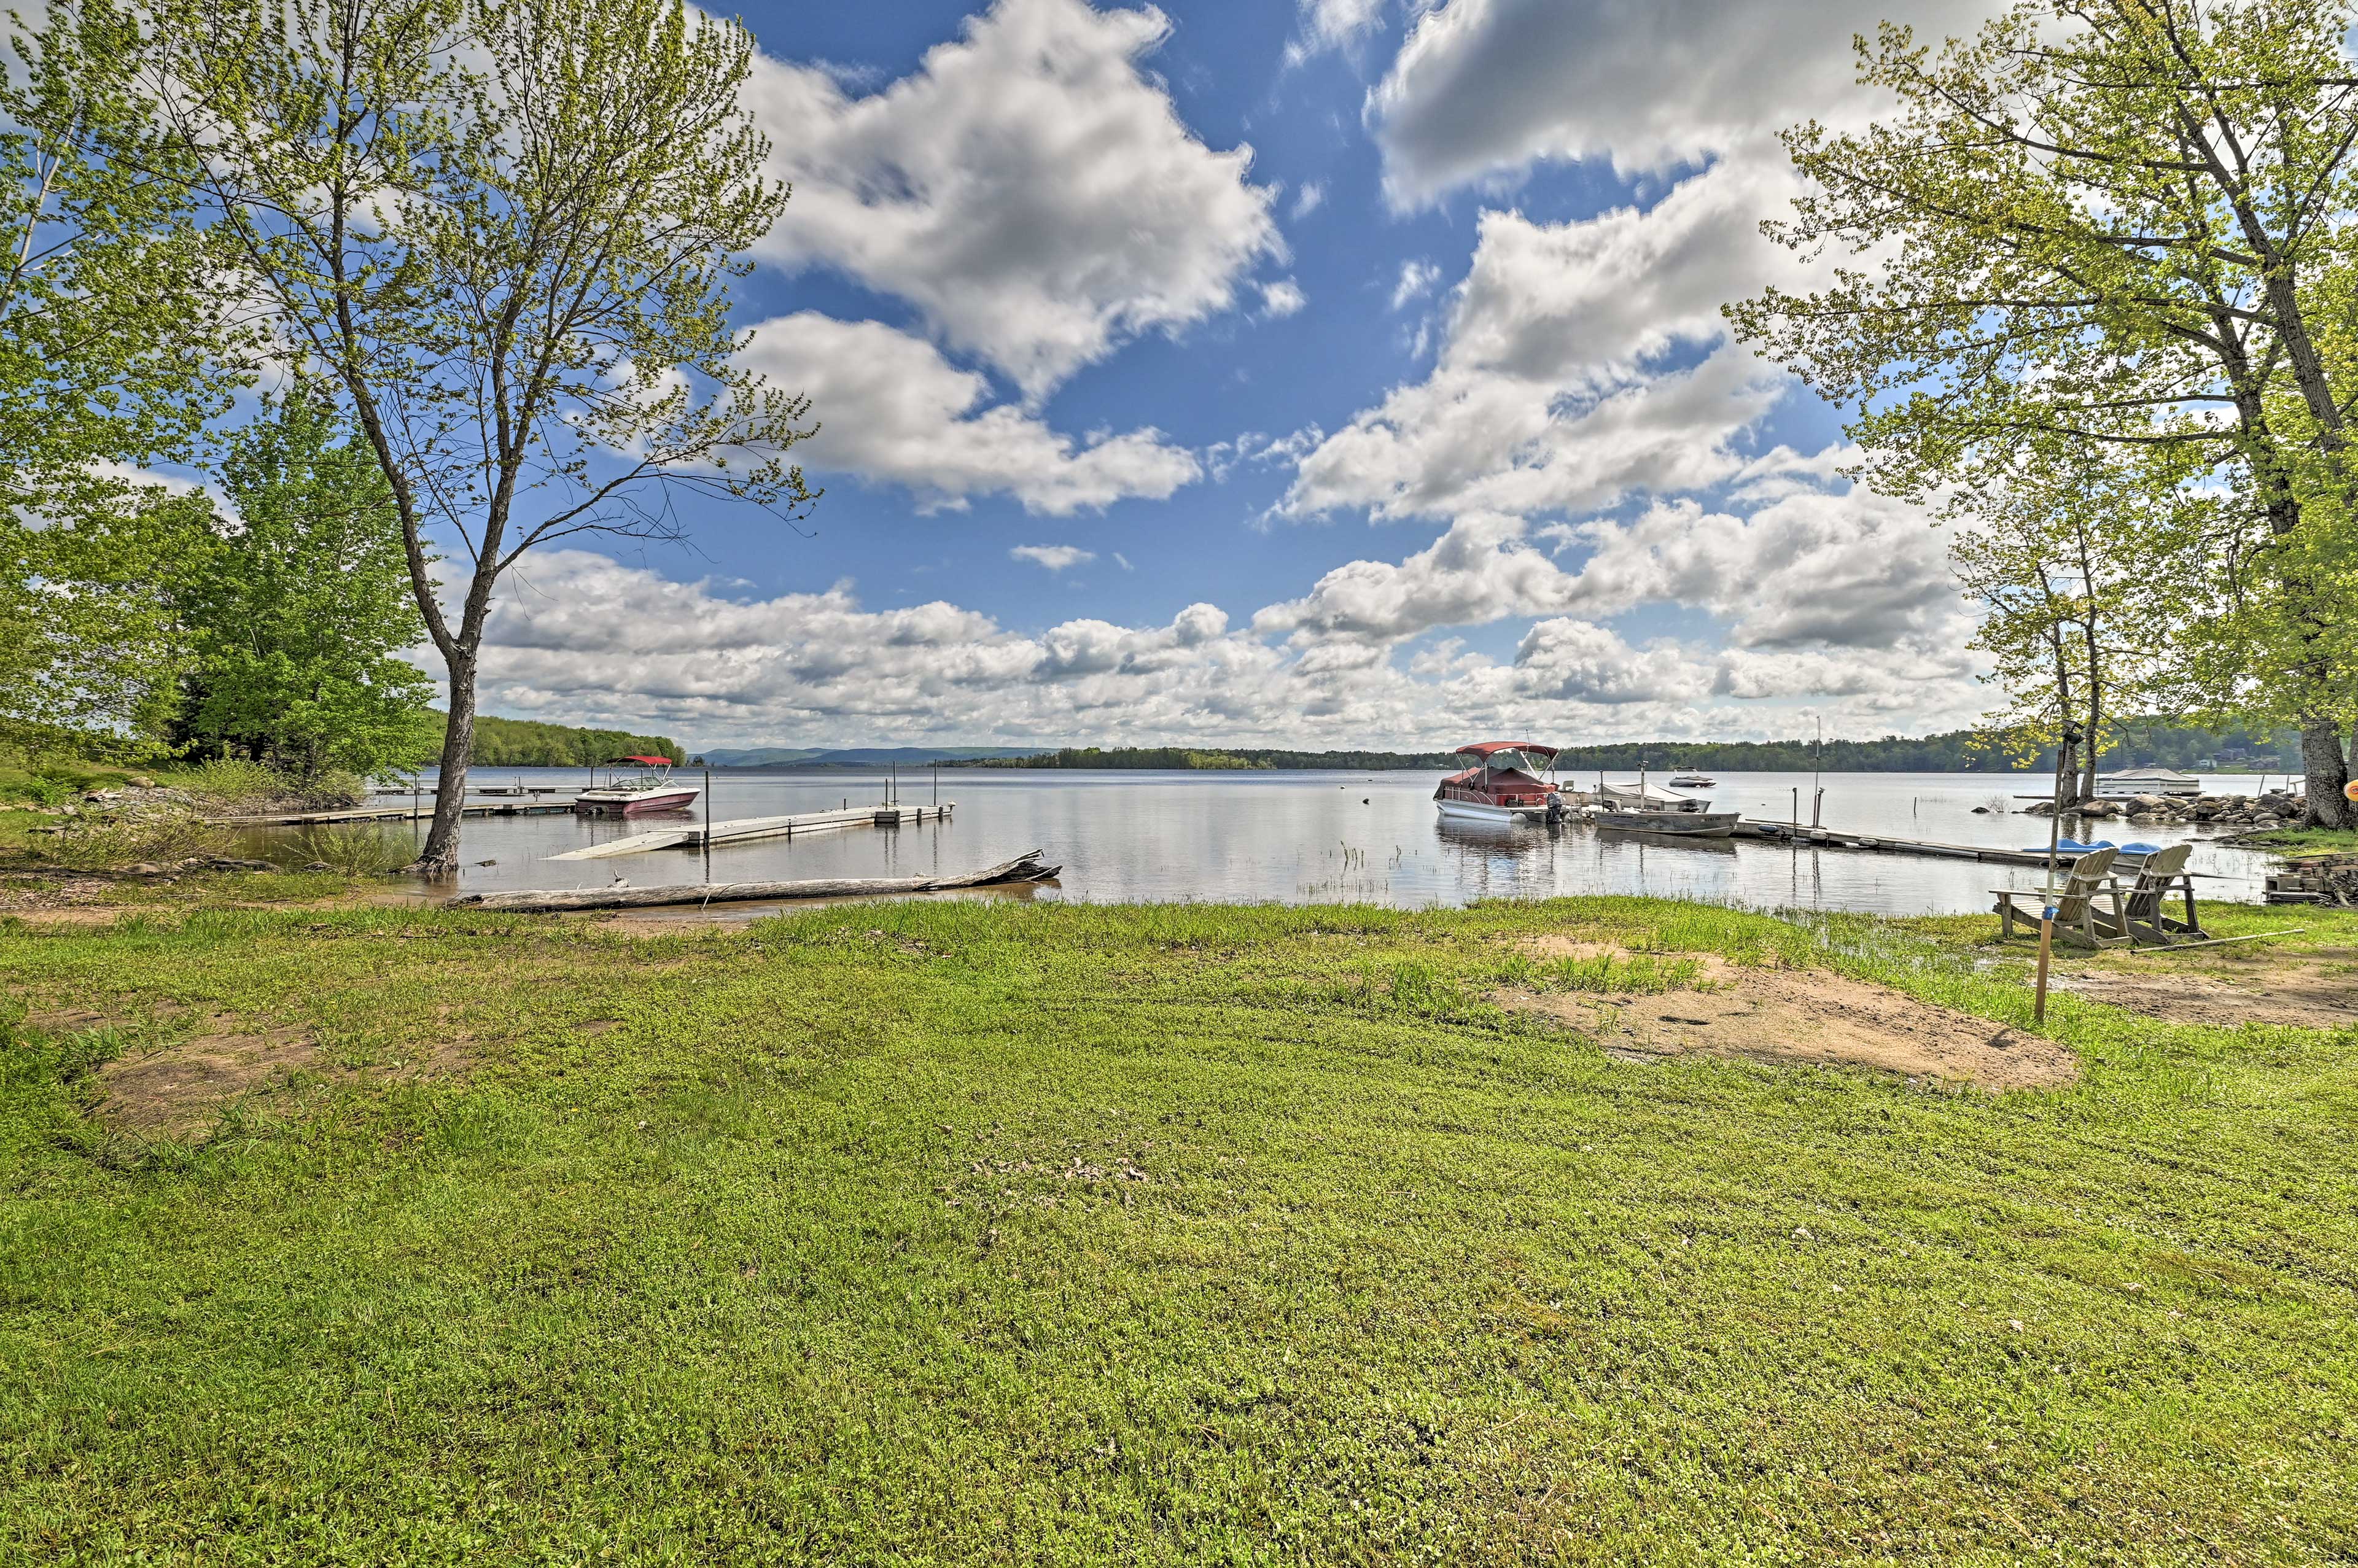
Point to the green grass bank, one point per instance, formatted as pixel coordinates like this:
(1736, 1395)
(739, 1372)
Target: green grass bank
(984, 1232)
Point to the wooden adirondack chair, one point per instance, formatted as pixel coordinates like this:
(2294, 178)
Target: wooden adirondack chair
(2140, 918)
(2088, 882)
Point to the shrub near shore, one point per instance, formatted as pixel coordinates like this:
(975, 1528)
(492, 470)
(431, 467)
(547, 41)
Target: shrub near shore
(96, 819)
(956, 1231)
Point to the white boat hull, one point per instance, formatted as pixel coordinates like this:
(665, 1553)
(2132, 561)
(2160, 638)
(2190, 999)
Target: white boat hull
(1479, 811)
(1677, 824)
(632, 803)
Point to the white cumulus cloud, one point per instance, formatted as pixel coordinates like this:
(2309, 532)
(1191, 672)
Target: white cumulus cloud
(891, 408)
(1549, 390)
(1479, 571)
(1417, 279)
(1482, 88)
(1030, 187)
(1055, 557)
(1282, 298)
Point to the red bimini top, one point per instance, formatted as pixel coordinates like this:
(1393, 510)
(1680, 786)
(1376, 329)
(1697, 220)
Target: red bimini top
(650, 761)
(1507, 786)
(1488, 749)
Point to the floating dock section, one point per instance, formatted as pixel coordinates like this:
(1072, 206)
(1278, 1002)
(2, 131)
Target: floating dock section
(1877, 843)
(746, 829)
(1025, 868)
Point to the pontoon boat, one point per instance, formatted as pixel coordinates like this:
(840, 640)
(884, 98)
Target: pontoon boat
(1504, 785)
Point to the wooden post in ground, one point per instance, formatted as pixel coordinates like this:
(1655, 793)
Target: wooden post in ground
(2046, 946)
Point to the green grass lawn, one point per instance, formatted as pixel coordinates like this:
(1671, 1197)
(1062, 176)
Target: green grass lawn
(2300, 842)
(962, 1233)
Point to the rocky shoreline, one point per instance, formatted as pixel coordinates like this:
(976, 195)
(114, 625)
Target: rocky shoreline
(2260, 813)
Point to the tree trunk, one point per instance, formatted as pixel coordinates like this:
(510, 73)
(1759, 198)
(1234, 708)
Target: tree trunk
(2323, 772)
(441, 856)
(2093, 742)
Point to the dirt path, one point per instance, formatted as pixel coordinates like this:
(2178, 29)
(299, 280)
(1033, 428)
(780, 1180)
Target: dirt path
(2316, 990)
(1802, 1015)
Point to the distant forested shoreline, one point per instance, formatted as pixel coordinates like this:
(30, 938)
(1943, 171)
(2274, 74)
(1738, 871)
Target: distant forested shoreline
(526, 744)
(2149, 744)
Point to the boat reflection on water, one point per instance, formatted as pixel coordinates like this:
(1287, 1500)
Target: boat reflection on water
(1681, 841)
(1481, 833)
(1519, 839)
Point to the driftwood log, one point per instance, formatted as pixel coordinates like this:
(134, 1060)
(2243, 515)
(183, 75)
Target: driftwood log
(1025, 868)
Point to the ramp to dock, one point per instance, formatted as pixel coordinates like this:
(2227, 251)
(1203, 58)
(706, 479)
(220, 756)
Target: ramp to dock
(746, 829)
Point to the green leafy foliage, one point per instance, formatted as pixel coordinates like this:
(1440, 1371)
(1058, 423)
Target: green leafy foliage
(2130, 227)
(111, 334)
(526, 744)
(93, 642)
(299, 614)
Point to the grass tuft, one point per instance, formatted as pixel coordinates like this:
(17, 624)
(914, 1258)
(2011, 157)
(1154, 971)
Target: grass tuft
(353, 849)
(161, 841)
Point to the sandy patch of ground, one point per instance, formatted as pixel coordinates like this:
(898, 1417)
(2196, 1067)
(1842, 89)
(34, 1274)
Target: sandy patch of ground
(68, 1020)
(1798, 1015)
(2303, 996)
(180, 1089)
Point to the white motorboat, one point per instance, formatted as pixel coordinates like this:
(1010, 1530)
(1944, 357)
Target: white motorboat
(649, 789)
(1693, 780)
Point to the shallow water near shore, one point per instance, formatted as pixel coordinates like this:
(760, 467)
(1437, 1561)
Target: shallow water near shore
(1296, 837)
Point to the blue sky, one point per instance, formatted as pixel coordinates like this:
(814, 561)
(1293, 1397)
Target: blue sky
(1347, 373)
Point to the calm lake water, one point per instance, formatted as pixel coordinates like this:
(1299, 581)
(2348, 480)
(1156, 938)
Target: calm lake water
(1315, 837)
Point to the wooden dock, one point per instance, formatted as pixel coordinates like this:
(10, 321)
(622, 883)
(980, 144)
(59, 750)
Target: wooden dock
(1877, 843)
(406, 812)
(746, 829)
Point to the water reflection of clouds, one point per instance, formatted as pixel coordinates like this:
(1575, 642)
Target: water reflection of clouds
(1314, 838)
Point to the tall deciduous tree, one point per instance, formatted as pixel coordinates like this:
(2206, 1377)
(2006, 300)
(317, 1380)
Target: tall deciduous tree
(300, 610)
(503, 232)
(112, 350)
(2074, 555)
(2127, 223)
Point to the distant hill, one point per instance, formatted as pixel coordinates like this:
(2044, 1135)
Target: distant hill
(759, 757)
(2149, 742)
(854, 756)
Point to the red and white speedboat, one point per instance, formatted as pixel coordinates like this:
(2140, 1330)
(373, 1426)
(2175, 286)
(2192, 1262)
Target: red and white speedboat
(649, 789)
(1504, 785)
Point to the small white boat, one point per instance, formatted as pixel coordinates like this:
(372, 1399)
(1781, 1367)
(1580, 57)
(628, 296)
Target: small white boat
(1504, 785)
(649, 789)
(1693, 780)
(1683, 824)
(2147, 781)
(1638, 796)
(1641, 808)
